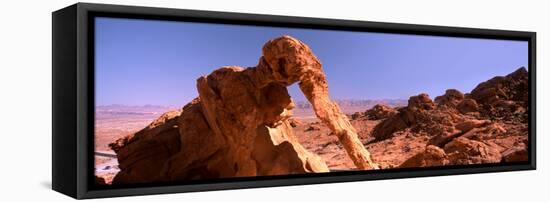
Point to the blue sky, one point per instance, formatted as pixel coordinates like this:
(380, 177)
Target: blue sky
(142, 62)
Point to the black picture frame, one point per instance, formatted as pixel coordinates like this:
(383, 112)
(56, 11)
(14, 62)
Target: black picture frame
(73, 98)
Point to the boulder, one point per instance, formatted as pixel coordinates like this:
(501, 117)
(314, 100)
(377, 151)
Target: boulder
(380, 111)
(467, 105)
(463, 151)
(421, 101)
(142, 155)
(470, 124)
(451, 98)
(431, 156)
(471, 128)
(460, 151)
(417, 111)
(515, 155)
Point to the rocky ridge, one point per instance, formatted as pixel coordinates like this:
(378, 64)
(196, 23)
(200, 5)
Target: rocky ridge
(488, 125)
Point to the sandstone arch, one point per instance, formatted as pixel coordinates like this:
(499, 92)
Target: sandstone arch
(239, 125)
(292, 61)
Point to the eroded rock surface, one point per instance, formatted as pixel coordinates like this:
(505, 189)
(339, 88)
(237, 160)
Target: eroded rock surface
(487, 125)
(431, 156)
(460, 151)
(290, 61)
(451, 98)
(239, 125)
(380, 111)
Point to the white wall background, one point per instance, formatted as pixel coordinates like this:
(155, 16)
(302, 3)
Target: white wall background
(25, 100)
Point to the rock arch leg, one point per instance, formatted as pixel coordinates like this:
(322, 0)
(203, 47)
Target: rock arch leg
(290, 61)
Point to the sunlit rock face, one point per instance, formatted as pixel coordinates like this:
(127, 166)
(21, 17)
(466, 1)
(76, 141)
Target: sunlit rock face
(239, 125)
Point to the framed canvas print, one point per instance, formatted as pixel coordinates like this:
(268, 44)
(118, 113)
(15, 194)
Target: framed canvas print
(156, 100)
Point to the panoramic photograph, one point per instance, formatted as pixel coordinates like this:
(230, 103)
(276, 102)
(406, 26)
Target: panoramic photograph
(181, 101)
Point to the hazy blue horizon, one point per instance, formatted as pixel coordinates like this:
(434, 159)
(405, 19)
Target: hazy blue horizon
(140, 62)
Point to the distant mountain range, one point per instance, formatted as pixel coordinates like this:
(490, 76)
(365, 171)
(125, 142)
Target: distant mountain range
(304, 105)
(353, 103)
(119, 109)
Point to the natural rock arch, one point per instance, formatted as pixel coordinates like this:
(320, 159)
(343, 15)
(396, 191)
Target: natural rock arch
(239, 125)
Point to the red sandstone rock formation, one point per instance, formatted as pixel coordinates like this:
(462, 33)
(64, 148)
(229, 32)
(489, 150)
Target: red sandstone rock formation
(239, 125)
(432, 156)
(460, 151)
(451, 98)
(488, 125)
(380, 111)
(417, 116)
(512, 87)
(467, 105)
(504, 96)
(290, 61)
(418, 134)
